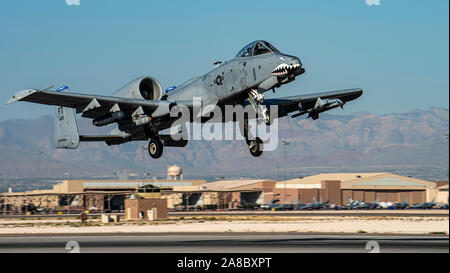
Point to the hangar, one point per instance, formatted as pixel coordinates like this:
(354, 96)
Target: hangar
(72, 195)
(221, 194)
(442, 196)
(338, 188)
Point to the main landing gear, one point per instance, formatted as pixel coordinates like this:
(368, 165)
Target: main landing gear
(155, 147)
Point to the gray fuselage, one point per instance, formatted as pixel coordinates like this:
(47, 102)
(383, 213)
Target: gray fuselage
(229, 82)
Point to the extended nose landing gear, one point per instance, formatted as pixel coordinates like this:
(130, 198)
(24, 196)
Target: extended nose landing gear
(155, 147)
(254, 145)
(256, 100)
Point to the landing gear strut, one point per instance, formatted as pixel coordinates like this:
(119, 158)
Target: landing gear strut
(254, 145)
(256, 100)
(155, 147)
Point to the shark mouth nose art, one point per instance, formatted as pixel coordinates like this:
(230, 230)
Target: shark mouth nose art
(284, 69)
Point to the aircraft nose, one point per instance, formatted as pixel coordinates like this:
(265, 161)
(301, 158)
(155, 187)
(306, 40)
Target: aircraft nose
(289, 66)
(300, 70)
(296, 60)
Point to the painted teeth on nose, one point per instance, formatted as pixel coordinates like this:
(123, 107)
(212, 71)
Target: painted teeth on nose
(281, 69)
(284, 69)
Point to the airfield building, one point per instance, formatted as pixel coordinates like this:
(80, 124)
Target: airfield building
(96, 195)
(442, 196)
(337, 188)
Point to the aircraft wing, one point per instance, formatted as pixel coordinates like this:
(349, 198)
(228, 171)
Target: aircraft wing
(313, 104)
(92, 106)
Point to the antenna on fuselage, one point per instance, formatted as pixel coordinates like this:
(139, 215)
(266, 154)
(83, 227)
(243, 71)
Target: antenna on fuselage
(217, 63)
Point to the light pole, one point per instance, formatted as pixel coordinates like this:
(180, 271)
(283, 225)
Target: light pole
(278, 172)
(448, 168)
(285, 143)
(143, 148)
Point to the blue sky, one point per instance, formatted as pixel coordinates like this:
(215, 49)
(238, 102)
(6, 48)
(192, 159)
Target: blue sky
(397, 52)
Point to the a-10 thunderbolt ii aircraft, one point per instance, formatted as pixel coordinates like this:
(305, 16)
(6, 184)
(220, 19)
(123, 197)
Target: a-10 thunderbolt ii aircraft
(142, 108)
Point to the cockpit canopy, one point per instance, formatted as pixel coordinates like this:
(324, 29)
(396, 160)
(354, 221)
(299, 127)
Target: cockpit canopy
(257, 48)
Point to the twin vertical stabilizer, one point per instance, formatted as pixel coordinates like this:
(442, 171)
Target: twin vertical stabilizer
(66, 129)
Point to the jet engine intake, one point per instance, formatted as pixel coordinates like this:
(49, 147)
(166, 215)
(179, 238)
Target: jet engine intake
(141, 88)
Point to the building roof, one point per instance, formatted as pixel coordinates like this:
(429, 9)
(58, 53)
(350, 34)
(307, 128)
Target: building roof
(75, 186)
(227, 185)
(388, 181)
(359, 180)
(318, 178)
(133, 184)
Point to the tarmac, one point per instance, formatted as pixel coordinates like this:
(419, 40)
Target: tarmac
(224, 243)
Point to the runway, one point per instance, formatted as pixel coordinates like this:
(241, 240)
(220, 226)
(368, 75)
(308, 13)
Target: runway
(225, 243)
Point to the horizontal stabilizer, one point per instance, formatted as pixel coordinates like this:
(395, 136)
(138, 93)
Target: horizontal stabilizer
(100, 138)
(111, 139)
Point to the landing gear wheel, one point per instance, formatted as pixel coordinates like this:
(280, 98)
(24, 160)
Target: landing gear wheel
(255, 146)
(155, 147)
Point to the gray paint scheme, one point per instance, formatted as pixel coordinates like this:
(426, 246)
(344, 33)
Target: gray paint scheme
(66, 129)
(145, 107)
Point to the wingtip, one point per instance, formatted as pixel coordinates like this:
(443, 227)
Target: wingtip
(21, 95)
(12, 99)
(359, 91)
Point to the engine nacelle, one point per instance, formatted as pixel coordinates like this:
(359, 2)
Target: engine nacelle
(141, 88)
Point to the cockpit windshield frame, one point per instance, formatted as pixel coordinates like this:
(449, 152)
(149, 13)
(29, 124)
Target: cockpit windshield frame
(255, 48)
(270, 46)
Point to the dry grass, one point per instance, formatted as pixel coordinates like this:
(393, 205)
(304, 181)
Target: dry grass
(197, 225)
(181, 220)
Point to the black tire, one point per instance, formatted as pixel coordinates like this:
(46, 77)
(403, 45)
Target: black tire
(256, 149)
(267, 120)
(155, 148)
